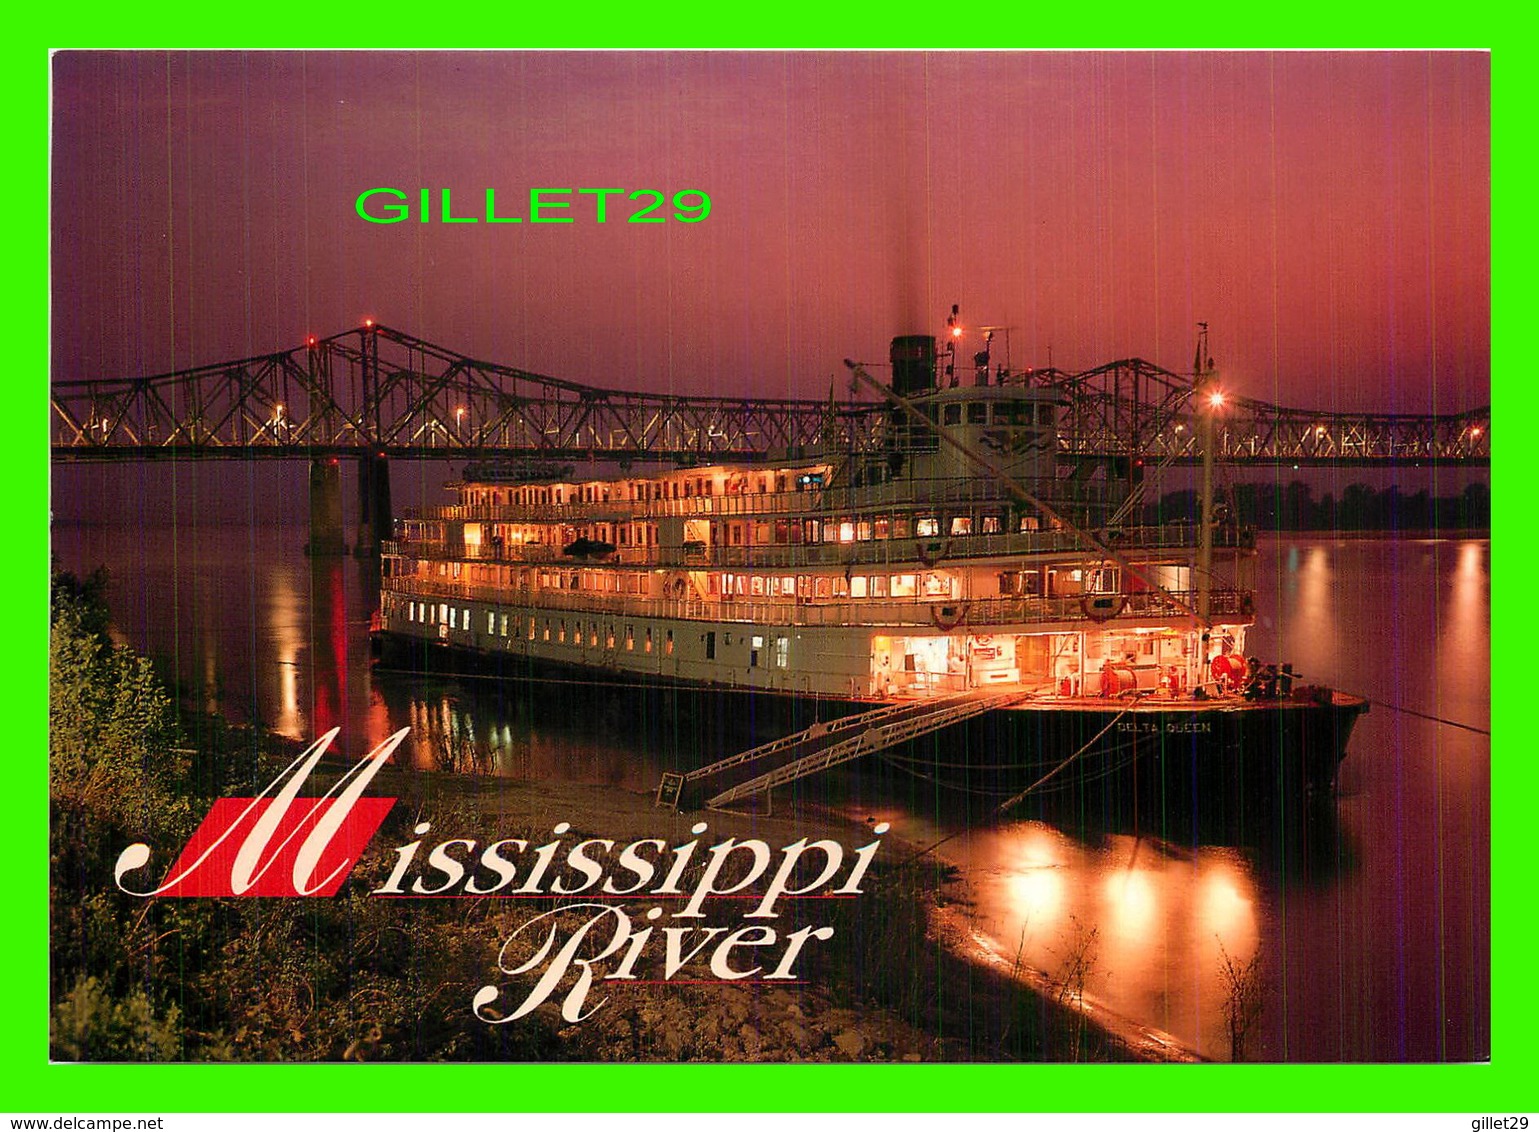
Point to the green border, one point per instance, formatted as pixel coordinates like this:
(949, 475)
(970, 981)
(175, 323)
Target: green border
(33, 1085)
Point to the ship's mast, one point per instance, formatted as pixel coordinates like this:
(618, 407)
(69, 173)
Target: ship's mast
(1209, 400)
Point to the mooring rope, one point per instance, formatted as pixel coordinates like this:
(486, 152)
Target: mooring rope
(910, 767)
(1297, 676)
(1011, 802)
(1430, 718)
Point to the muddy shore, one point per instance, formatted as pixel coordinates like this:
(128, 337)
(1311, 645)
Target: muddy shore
(907, 976)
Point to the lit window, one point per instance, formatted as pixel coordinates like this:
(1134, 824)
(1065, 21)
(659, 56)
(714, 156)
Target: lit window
(962, 525)
(927, 528)
(846, 532)
(858, 586)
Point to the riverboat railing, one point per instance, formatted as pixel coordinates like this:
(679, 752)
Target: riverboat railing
(941, 613)
(823, 503)
(926, 552)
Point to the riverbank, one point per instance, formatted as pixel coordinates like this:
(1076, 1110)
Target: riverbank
(906, 976)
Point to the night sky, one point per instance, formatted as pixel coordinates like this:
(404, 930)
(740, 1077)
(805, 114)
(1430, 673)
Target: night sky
(1327, 214)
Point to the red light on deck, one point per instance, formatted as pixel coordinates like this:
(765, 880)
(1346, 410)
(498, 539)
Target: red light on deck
(368, 324)
(310, 341)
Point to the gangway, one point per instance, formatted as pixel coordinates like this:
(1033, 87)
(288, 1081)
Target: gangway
(821, 746)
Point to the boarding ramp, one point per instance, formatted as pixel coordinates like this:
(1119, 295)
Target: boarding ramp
(825, 745)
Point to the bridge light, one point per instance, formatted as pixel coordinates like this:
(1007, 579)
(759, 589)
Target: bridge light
(1475, 432)
(1319, 430)
(368, 324)
(1216, 400)
(310, 341)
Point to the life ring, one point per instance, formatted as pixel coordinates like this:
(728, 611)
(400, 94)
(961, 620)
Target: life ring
(676, 588)
(944, 622)
(921, 552)
(1103, 607)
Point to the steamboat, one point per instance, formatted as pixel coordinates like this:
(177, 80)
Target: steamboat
(970, 557)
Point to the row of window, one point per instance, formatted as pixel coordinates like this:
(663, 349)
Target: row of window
(503, 625)
(994, 412)
(854, 528)
(645, 491)
(498, 624)
(814, 586)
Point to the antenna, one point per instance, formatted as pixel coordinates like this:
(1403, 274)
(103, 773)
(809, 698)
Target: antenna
(1202, 361)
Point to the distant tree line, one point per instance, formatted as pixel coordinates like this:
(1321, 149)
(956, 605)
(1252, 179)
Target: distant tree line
(1293, 507)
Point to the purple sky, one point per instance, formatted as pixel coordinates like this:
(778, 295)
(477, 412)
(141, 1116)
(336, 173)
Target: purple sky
(1327, 214)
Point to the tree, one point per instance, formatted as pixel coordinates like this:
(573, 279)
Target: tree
(1244, 997)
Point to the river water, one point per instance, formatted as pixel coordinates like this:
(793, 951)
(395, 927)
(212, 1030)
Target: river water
(1370, 916)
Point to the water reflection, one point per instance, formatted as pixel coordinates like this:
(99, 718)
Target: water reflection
(285, 625)
(1160, 914)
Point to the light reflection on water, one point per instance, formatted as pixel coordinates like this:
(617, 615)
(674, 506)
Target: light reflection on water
(1160, 914)
(1372, 924)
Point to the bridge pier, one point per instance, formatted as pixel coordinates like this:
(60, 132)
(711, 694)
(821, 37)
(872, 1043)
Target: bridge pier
(325, 509)
(374, 516)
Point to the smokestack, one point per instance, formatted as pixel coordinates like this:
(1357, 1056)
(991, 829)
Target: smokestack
(913, 364)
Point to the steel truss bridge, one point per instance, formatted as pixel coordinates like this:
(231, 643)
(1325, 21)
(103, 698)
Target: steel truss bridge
(374, 392)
